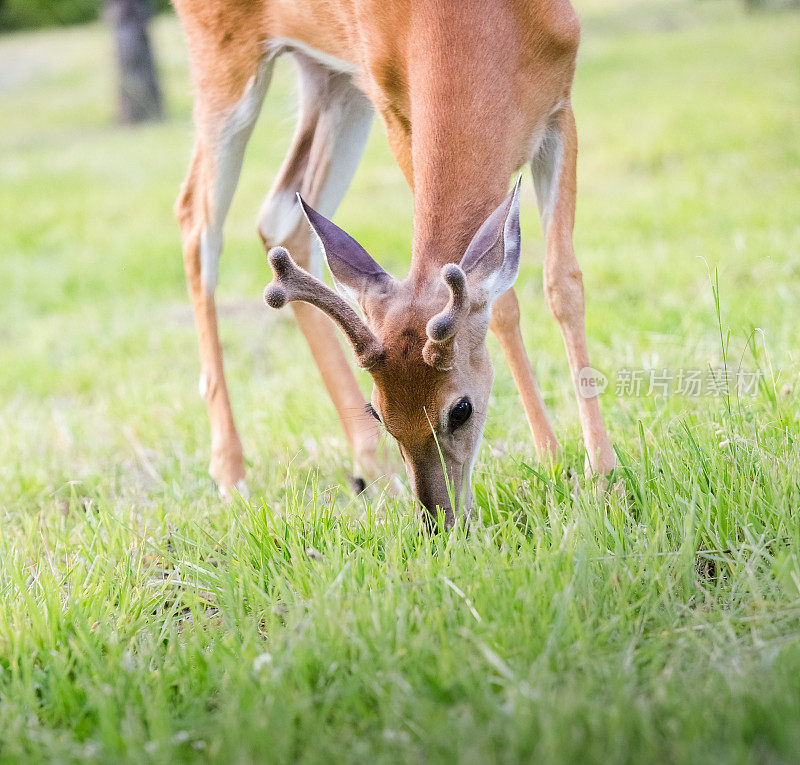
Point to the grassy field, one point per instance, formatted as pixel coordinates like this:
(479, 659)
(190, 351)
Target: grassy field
(140, 618)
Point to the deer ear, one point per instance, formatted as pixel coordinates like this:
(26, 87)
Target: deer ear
(354, 271)
(491, 261)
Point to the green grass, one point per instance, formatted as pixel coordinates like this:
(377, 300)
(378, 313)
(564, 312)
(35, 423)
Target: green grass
(142, 619)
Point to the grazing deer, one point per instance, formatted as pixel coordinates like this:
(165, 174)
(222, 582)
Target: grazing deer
(468, 92)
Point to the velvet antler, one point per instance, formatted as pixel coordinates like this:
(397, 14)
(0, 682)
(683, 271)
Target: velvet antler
(440, 348)
(290, 282)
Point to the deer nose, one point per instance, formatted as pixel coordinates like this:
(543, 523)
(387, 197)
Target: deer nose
(431, 491)
(434, 509)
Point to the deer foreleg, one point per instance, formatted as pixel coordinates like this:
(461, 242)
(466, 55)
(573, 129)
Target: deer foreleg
(554, 175)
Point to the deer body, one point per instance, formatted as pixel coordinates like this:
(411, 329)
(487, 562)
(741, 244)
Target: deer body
(468, 91)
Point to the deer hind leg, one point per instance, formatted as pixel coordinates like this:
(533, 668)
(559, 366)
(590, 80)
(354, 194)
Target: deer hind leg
(329, 139)
(201, 208)
(553, 169)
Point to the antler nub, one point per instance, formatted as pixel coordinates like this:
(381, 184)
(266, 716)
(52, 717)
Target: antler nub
(290, 282)
(281, 263)
(440, 348)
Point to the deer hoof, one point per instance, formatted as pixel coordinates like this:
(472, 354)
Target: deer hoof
(358, 484)
(229, 493)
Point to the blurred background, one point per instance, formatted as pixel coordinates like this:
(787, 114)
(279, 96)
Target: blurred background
(689, 123)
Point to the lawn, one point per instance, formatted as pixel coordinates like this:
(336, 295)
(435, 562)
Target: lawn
(143, 619)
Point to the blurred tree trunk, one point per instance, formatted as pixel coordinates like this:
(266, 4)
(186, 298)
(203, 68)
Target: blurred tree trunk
(139, 94)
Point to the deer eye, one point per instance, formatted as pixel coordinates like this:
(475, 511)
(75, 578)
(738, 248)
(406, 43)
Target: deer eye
(460, 413)
(371, 411)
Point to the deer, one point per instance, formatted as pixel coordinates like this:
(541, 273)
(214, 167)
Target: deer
(469, 93)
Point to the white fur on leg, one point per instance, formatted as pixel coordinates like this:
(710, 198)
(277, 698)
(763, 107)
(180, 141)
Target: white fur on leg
(210, 251)
(279, 216)
(278, 45)
(235, 125)
(344, 121)
(546, 167)
(228, 493)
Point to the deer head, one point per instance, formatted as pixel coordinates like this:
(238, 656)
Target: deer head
(423, 343)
